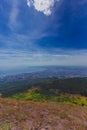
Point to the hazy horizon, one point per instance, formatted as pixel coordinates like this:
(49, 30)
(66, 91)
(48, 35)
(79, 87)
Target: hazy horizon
(77, 70)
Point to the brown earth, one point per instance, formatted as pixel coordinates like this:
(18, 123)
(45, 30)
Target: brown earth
(29, 115)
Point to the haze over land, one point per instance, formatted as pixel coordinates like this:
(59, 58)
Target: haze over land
(46, 71)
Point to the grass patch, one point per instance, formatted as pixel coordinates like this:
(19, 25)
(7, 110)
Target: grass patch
(6, 126)
(36, 94)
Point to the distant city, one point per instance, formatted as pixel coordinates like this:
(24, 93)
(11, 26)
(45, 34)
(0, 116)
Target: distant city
(43, 72)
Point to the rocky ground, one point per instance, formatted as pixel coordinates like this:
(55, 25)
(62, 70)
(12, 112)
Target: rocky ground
(28, 115)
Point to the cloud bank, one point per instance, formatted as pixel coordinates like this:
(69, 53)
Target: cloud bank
(10, 58)
(44, 6)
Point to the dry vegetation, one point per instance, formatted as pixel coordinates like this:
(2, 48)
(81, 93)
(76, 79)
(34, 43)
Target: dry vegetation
(30, 115)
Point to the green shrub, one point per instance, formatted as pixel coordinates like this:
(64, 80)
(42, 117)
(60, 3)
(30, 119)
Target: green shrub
(36, 94)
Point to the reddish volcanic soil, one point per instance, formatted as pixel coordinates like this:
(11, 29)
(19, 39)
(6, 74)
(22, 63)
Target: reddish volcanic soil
(29, 115)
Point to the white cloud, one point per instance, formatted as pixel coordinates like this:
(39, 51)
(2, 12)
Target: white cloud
(29, 3)
(13, 22)
(44, 6)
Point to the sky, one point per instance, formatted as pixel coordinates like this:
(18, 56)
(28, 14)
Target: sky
(43, 32)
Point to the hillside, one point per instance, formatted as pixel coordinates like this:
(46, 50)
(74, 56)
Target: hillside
(65, 85)
(70, 90)
(45, 104)
(29, 115)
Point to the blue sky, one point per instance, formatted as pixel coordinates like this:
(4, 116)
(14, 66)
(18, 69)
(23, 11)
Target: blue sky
(43, 32)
